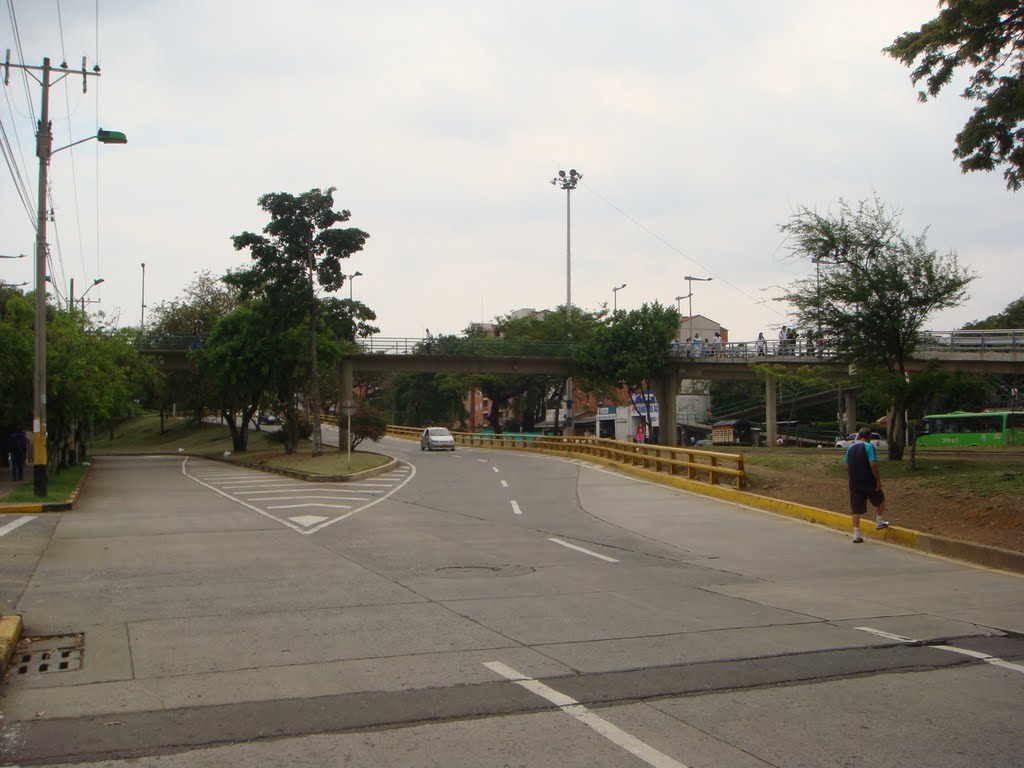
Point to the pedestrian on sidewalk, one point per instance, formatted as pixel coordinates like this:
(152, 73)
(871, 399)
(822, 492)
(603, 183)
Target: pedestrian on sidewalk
(865, 483)
(17, 446)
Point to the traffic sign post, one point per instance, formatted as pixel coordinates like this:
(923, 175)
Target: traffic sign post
(348, 407)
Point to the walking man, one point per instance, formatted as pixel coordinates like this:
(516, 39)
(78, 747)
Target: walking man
(865, 483)
(18, 445)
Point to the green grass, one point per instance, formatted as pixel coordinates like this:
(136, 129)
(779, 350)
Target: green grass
(985, 476)
(332, 462)
(59, 487)
(142, 435)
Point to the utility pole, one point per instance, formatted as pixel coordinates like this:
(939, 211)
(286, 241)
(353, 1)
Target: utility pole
(44, 143)
(44, 151)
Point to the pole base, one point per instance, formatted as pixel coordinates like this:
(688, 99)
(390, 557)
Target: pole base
(39, 479)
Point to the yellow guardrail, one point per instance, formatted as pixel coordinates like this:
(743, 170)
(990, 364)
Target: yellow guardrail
(695, 464)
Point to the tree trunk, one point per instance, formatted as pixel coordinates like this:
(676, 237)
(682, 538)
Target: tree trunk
(897, 443)
(494, 417)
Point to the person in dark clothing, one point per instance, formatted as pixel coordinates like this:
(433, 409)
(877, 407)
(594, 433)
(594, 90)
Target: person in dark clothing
(17, 446)
(865, 483)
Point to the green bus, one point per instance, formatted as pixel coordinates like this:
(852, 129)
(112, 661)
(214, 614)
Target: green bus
(961, 429)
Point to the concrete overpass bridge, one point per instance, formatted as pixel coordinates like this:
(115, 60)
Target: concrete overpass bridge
(982, 352)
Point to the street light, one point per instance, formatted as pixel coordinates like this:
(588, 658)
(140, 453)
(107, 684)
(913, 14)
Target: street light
(568, 183)
(689, 284)
(44, 151)
(142, 311)
(679, 310)
(615, 297)
(350, 278)
(95, 282)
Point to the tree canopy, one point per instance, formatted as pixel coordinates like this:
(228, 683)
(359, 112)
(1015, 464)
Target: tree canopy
(872, 289)
(631, 350)
(300, 248)
(1011, 317)
(986, 36)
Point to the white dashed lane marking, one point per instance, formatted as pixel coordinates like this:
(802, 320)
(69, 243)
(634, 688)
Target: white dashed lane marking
(256, 491)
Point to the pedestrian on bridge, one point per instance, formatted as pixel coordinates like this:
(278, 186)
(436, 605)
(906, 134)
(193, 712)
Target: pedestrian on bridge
(761, 345)
(865, 482)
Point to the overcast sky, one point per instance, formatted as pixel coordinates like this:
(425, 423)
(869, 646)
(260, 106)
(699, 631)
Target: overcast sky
(699, 128)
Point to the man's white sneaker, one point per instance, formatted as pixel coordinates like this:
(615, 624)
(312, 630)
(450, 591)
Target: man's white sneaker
(858, 540)
(880, 524)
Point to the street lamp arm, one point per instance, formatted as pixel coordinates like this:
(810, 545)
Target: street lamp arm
(102, 136)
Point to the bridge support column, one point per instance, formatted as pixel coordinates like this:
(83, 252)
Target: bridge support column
(665, 390)
(344, 438)
(850, 400)
(771, 424)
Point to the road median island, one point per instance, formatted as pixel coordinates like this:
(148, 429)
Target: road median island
(314, 477)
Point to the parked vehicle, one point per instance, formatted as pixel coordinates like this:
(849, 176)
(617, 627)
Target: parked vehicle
(876, 440)
(437, 439)
(734, 432)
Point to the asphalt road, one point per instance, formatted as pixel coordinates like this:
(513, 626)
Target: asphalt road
(483, 608)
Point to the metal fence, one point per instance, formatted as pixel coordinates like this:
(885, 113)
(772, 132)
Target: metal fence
(996, 340)
(691, 463)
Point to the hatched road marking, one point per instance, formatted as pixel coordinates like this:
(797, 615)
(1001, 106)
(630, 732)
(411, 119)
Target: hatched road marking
(254, 490)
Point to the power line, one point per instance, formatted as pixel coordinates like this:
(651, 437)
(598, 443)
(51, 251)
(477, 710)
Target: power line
(21, 56)
(74, 171)
(19, 182)
(670, 246)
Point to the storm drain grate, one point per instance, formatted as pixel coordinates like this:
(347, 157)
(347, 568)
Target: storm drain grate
(46, 655)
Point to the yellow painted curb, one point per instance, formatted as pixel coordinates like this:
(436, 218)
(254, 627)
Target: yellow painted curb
(10, 634)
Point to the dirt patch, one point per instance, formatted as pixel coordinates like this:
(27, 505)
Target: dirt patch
(995, 519)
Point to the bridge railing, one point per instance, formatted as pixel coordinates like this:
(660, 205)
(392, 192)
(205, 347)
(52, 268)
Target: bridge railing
(694, 464)
(1005, 340)
(988, 340)
(486, 346)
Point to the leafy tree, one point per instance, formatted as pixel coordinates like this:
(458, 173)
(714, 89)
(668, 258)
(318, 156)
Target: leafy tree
(986, 36)
(204, 301)
(632, 350)
(419, 399)
(239, 360)
(368, 423)
(299, 250)
(1011, 317)
(192, 315)
(16, 360)
(872, 291)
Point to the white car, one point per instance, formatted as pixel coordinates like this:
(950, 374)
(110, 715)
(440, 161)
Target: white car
(437, 439)
(876, 440)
